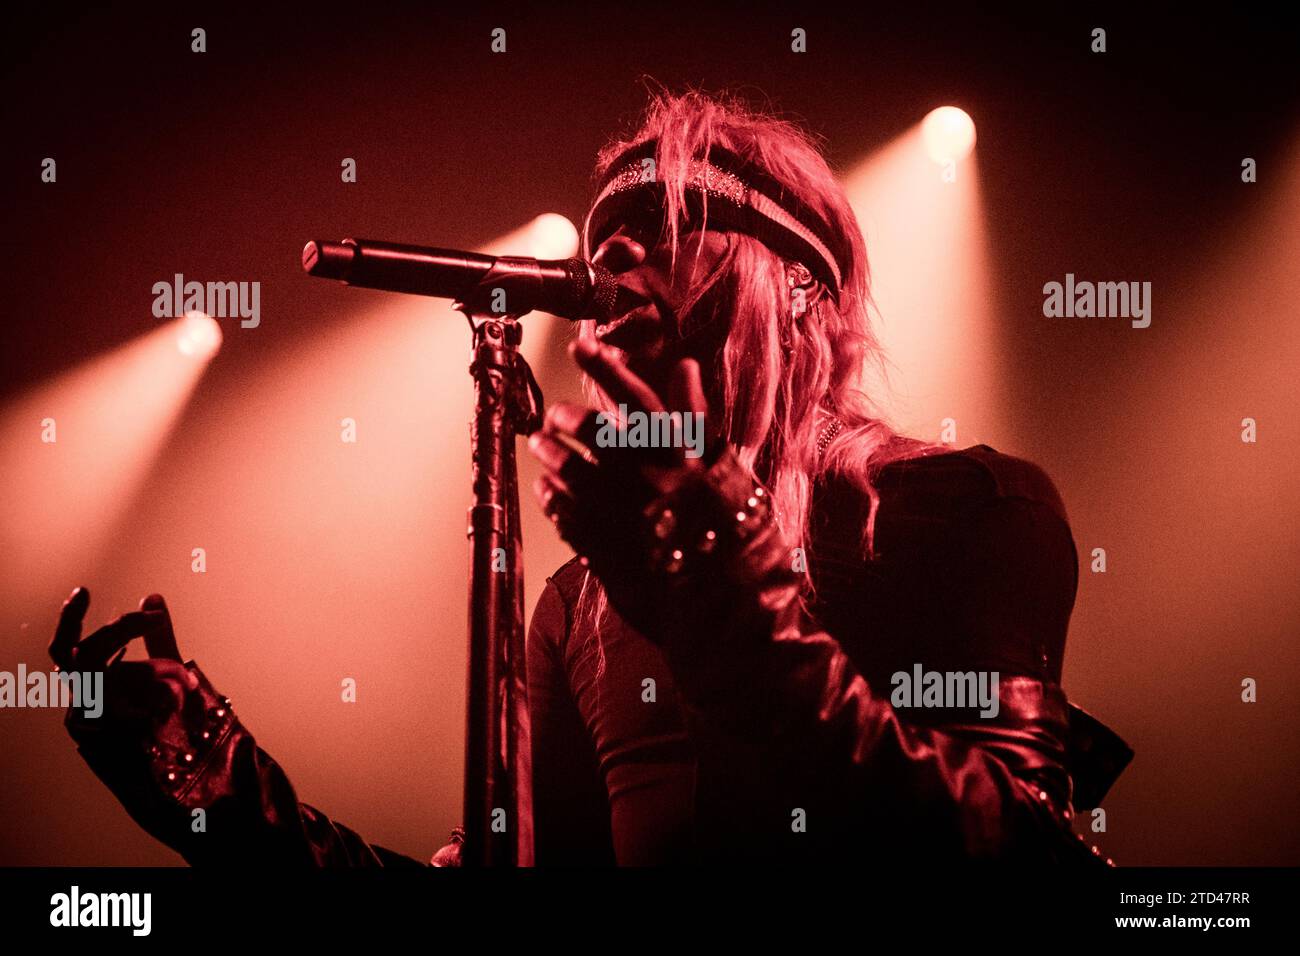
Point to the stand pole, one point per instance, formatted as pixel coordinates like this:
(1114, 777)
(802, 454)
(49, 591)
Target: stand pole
(498, 817)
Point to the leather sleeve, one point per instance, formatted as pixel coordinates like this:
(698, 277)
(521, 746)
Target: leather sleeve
(798, 755)
(172, 750)
(817, 764)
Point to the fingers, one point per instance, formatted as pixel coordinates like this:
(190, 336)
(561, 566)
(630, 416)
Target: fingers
(93, 653)
(68, 631)
(685, 390)
(160, 640)
(616, 380)
(591, 434)
(583, 424)
(620, 253)
(105, 646)
(568, 469)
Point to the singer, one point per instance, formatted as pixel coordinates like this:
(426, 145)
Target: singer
(709, 681)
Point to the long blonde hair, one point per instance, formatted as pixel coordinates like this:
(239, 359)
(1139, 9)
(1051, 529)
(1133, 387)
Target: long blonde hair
(775, 401)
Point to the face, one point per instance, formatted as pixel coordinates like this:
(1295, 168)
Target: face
(649, 323)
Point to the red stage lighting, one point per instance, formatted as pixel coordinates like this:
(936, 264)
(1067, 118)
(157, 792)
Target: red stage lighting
(198, 335)
(949, 134)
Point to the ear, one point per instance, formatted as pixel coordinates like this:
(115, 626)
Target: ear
(805, 290)
(797, 275)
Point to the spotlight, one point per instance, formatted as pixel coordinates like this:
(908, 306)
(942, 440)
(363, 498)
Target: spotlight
(949, 134)
(551, 236)
(198, 335)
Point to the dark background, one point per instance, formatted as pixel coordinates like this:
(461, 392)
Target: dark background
(1117, 166)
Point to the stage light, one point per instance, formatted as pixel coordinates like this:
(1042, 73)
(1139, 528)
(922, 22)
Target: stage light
(344, 445)
(199, 335)
(78, 449)
(551, 236)
(949, 134)
(930, 281)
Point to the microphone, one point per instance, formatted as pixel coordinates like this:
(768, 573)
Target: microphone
(481, 285)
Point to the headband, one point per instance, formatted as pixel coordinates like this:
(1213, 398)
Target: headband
(726, 193)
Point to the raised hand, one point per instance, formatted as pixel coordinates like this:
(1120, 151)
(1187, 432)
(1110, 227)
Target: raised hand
(152, 622)
(593, 488)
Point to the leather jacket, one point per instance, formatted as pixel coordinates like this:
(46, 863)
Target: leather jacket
(778, 713)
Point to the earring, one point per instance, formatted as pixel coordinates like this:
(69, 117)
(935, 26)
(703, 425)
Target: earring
(802, 289)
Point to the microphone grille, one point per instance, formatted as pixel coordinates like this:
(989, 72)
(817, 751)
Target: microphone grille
(604, 289)
(592, 289)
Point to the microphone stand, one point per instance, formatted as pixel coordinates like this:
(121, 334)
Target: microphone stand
(498, 812)
(498, 754)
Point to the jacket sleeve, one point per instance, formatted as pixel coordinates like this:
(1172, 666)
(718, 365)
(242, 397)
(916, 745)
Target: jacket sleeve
(798, 755)
(172, 750)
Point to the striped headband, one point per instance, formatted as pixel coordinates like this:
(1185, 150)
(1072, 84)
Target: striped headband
(725, 193)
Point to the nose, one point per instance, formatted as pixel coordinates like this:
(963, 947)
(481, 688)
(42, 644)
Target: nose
(619, 254)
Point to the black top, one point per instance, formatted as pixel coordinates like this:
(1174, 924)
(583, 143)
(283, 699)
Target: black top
(973, 568)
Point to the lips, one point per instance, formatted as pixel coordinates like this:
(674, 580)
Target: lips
(605, 328)
(632, 331)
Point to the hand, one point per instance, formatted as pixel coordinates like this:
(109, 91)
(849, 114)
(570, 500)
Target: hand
(579, 470)
(161, 718)
(588, 482)
(152, 622)
(138, 695)
(450, 854)
(596, 492)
